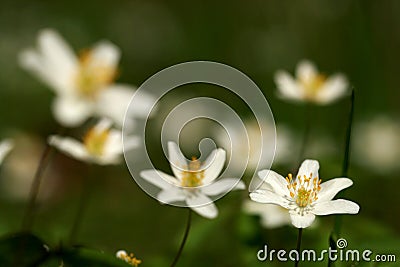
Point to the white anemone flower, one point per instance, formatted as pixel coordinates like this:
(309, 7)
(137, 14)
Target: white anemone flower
(193, 181)
(5, 147)
(84, 85)
(101, 144)
(310, 86)
(305, 196)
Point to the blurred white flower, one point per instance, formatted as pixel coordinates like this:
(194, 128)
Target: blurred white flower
(101, 144)
(272, 216)
(84, 86)
(5, 147)
(377, 144)
(305, 196)
(129, 258)
(309, 85)
(281, 152)
(193, 181)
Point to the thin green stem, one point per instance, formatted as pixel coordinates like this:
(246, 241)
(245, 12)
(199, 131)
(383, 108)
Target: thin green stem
(30, 211)
(29, 215)
(84, 199)
(345, 168)
(185, 236)
(299, 237)
(346, 158)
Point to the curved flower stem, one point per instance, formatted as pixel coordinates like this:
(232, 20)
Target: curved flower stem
(29, 214)
(82, 206)
(345, 167)
(299, 237)
(178, 255)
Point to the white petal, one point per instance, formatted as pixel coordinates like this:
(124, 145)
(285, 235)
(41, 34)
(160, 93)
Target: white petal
(302, 221)
(339, 206)
(202, 205)
(330, 188)
(57, 52)
(131, 142)
(113, 101)
(335, 87)
(307, 167)
(113, 145)
(71, 111)
(106, 54)
(176, 159)
(70, 147)
(213, 165)
(223, 186)
(268, 197)
(107, 159)
(306, 70)
(170, 196)
(143, 104)
(258, 183)
(31, 61)
(209, 211)
(159, 179)
(54, 63)
(5, 148)
(276, 181)
(287, 86)
(103, 125)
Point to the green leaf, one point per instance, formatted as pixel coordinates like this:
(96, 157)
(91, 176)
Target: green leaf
(21, 249)
(90, 258)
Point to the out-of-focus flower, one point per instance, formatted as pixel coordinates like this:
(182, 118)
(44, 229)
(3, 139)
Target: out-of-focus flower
(309, 85)
(304, 196)
(101, 144)
(281, 151)
(19, 168)
(377, 144)
(272, 216)
(5, 147)
(194, 181)
(129, 258)
(84, 86)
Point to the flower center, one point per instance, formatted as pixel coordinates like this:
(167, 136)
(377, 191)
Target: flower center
(193, 177)
(92, 76)
(303, 190)
(313, 84)
(95, 140)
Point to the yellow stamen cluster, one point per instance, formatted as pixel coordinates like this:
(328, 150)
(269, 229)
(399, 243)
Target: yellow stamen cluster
(304, 190)
(193, 177)
(131, 259)
(95, 140)
(313, 85)
(92, 78)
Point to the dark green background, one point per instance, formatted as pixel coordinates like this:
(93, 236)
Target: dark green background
(358, 38)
